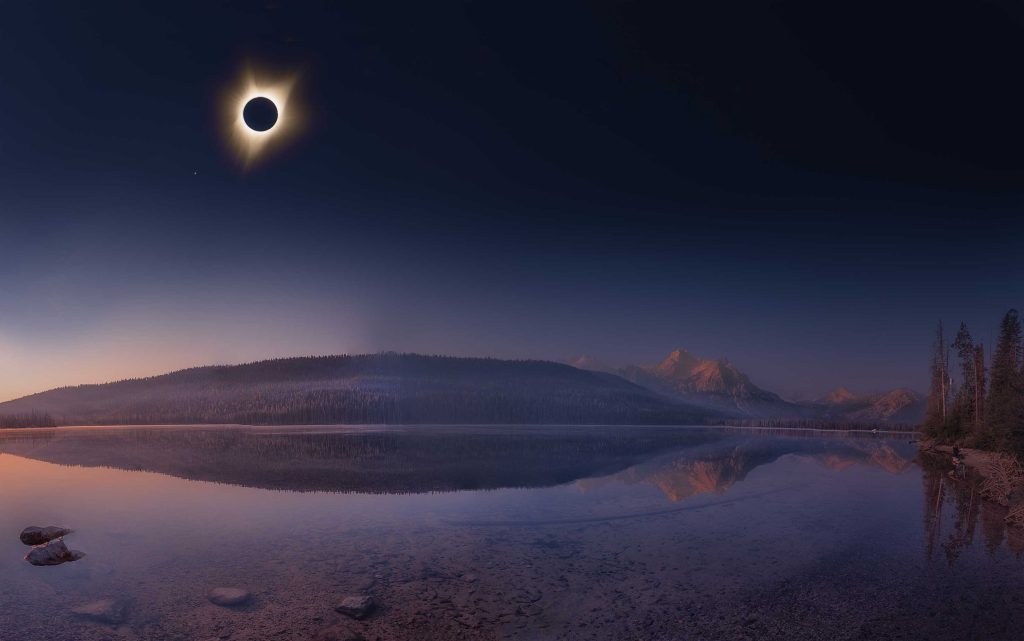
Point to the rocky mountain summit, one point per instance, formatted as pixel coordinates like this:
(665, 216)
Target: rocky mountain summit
(713, 384)
(718, 385)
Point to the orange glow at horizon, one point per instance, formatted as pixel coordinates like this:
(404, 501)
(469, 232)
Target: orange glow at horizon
(136, 342)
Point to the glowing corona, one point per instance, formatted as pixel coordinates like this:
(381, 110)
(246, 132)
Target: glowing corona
(250, 145)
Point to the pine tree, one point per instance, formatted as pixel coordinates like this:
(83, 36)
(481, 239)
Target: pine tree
(936, 419)
(979, 389)
(965, 406)
(1005, 404)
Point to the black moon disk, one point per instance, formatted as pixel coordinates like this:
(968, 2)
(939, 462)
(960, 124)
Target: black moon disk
(260, 114)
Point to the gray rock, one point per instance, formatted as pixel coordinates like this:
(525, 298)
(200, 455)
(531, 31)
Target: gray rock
(34, 535)
(112, 611)
(53, 553)
(357, 606)
(228, 597)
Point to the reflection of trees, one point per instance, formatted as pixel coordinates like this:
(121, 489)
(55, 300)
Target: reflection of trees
(964, 503)
(993, 526)
(1015, 539)
(933, 491)
(964, 511)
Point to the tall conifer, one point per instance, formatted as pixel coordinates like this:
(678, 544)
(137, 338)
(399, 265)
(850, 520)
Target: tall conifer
(937, 415)
(965, 405)
(980, 379)
(1005, 404)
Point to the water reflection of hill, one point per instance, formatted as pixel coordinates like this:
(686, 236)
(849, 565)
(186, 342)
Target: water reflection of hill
(400, 460)
(682, 462)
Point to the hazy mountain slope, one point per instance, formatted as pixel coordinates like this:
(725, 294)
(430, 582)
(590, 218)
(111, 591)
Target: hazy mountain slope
(383, 388)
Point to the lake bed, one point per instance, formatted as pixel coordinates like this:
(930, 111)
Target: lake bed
(502, 533)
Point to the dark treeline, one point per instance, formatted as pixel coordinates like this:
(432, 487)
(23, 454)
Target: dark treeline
(974, 402)
(284, 404)
(32, 419)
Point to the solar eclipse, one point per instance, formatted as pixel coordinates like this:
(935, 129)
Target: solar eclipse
(260, 115)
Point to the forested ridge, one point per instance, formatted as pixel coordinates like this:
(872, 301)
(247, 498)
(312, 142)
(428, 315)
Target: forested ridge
(379, 388)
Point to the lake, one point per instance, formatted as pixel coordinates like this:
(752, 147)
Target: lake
(520, 533)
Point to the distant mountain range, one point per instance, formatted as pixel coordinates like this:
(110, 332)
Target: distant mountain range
(719, 386)
(900, 405)
(411, 388)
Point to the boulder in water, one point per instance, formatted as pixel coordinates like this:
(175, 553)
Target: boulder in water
(229, 596)
(112, 611)
(53, 553)
(35, 535)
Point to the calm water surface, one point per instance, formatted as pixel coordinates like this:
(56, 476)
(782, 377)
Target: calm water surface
(503, 533)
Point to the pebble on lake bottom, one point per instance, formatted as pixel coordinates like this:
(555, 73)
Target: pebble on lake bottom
(229, 596)
(338, 633)
(357, 607)
(111, 611)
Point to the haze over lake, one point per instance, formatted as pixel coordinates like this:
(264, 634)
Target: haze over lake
(493, 532)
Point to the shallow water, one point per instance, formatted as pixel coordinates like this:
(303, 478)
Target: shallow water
(503, 533)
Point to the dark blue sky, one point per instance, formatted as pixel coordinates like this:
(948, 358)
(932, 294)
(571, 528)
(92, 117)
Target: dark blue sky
(802, 188)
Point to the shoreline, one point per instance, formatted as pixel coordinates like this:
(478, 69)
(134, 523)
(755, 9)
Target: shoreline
(972, 458)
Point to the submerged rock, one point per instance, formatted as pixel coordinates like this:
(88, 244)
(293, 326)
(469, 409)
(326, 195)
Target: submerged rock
(229, 596)
(113, 611)
(53, 553)
(357, 607)
(34, 535)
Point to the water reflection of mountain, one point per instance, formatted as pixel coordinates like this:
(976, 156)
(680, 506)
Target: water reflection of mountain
(715, 467)
(682, 461)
